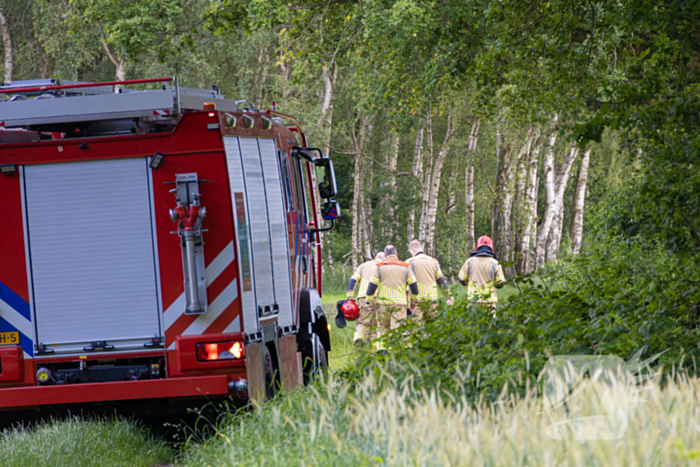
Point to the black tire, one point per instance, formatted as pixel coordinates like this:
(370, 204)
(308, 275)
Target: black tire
(322, 356)
(270, 379)
(315, 359)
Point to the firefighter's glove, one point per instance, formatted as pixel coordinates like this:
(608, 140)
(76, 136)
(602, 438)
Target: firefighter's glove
(340, 318)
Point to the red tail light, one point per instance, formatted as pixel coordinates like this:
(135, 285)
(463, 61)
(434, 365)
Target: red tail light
(213, 351)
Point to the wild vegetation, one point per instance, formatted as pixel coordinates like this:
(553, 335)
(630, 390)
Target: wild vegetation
(569, 132)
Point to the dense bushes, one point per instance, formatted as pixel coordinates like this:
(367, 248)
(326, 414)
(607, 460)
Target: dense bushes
(615, 299)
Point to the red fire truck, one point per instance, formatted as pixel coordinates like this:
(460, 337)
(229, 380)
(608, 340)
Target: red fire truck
(156, 244)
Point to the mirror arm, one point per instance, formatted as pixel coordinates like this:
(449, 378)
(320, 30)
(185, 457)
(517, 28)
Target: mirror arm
(323, 230)
(320, 153)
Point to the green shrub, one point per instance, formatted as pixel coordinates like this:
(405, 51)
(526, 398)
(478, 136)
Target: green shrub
(615, 299)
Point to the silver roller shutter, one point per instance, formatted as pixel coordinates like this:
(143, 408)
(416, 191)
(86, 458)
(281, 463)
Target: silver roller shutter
(278, 230)
(92, 253)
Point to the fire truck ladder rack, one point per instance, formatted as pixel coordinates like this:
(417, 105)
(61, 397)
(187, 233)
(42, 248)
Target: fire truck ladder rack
(45, 102)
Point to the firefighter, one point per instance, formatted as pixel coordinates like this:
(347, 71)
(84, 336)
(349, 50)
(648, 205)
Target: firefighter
(428, 277)
(482, 274)
(387, 291)
(365, 331)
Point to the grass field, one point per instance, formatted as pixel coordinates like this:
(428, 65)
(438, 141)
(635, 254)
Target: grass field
(81, 443)
(337, 425)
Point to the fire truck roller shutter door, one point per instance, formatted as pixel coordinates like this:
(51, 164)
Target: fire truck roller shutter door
(278, 230)
(259, 223)
(92, 253)
(242, 220)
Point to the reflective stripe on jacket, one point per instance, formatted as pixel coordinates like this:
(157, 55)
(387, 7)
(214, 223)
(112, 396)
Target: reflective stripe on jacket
(392, 279)
(427, 272)
(482, 274)
(362, 276)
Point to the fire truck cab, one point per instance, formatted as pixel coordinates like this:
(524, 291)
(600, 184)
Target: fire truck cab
(156, 244)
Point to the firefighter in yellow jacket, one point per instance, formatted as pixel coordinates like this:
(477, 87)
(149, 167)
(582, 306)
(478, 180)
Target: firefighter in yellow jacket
(365, 330)
(429, 278)
(482, 274)
(387, 291)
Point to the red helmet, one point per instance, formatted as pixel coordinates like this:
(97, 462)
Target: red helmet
(350, 310)
(484, 240)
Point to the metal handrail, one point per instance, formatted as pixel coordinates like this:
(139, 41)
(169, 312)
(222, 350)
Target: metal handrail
(83, 85)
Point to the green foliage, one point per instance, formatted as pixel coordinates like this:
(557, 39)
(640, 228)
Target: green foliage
(83, 443)
(130, 29)
(613, 300)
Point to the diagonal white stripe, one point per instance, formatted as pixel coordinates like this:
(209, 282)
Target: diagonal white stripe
(214, 270)
(214, 310)
(17, 320)
(235, 325)
(220, 263)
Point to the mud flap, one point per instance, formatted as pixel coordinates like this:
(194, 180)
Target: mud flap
(289, 362)
(255, 373)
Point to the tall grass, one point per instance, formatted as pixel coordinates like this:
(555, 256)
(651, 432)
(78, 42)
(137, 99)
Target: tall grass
(82, 443)
(335, 424)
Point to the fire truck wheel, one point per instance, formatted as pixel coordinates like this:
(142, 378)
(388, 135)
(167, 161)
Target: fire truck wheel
(270, 380)
(315, 361)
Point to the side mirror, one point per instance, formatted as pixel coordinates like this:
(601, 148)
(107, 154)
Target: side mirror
(330, 210)
(326, 177)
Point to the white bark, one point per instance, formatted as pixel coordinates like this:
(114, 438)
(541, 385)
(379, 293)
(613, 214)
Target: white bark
(469, 184)
(422, 226)
(554, 239)
(433, 189)
(119, 63)
(530, 210)
(389, 230)
(7, 45)
(358, 139)
(553, 216)
(417, 169)
(522, 205)
(325, 121)
(576, 223)
(549, 190)
(503, 203)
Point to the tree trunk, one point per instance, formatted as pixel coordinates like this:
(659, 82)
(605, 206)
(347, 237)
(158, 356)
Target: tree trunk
(119, 63)
(358, 138)
(545, 250)
(521, 204)
(367, 218)
(356, 209)
(554, 239)
(422, 232)
(469, 185)
(549, 190)
(576, 223)
(389, 230)
(503, 203)
(433, 189)
(7, 45)
(530, 210)
(325, 122)
(417, 169)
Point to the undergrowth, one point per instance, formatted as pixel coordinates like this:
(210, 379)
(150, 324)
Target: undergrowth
(83, 443)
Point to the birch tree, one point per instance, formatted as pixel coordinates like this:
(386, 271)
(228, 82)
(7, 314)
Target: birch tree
(576, 222)
(389, 200)
(469, 184)
(503, 202)
(7, 45)
(429, 214)
(555, 186)
(358, 138)
(417, 170)
(524, 265)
